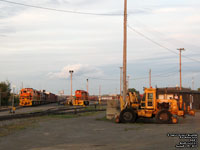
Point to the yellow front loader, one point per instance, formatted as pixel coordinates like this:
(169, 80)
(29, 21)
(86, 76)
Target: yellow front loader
(164, 110)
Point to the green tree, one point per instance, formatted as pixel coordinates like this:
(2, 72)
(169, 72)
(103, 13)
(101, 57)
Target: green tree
(199, 89)
(132, 90)
(4, 92)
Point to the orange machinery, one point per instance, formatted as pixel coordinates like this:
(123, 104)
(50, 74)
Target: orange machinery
(81, 98)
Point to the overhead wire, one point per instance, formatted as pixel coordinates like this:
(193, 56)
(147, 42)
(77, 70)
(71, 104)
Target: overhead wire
(99, 14)
(61, 10)
(103, 14)
(160, 45)
(146, 37)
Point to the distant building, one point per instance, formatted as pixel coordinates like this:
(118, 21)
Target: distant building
(190, 97)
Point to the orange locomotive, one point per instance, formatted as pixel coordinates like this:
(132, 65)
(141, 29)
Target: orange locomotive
(81, 98)
(30, 97)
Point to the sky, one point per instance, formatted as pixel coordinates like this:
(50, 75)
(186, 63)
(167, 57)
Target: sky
(38, 47)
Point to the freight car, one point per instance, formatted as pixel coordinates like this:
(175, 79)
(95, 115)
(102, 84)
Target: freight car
(31, 97)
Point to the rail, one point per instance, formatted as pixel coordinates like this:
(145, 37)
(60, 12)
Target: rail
(52, 111)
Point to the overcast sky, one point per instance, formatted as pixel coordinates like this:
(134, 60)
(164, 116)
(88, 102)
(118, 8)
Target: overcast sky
(38, 46)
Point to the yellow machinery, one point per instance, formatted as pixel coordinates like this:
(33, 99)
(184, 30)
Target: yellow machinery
(164, 110)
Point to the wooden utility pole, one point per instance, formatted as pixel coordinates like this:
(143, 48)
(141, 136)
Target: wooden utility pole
(127, 84)
(124, 51)
(192, 83)
(71, 72)
(0, 97)
(87, 86)
(180, 50)
(150, 78)
(121, 80)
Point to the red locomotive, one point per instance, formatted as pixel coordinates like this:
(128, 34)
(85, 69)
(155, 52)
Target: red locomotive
(81, 98)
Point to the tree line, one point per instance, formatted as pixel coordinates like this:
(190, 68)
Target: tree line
(6, 96)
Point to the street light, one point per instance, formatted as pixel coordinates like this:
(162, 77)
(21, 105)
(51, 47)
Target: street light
(71, 72)
(13, 99)
(87, 85)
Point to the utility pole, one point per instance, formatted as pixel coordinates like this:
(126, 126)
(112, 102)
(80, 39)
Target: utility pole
(71, 72)
(121, 80)
(150, 78)
(125, 51)
(128, 77)
(192, 83)
(87, 85)
(99, 94)
(0, 97)
(180, 50)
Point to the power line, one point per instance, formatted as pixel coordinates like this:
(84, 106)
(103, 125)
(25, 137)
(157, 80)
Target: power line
(137, 78)
(61, 10)
(162, 46)
(151, 40)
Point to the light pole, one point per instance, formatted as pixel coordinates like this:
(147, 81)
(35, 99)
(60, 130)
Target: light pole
(87, 85)
(99, 94)
(71, 72)
(150, 78)
(13, 99)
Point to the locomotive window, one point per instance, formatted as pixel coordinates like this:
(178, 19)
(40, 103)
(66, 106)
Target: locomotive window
(150, 95)
(150, 99)
(150, 104)
(143, 98)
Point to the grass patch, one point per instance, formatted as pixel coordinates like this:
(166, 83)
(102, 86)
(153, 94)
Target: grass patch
(10, 128)
(63, 116)
(89, 113)
(98, 107)
(68, 116)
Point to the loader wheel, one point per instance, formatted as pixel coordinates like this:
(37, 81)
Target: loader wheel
(86, 103)
(127, 116)
(164, 116)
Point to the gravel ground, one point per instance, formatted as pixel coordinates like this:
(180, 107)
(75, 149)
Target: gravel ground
(93, 132)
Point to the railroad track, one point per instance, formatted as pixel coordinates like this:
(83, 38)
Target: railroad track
(51, 111)
(21, 107)
(7, 109)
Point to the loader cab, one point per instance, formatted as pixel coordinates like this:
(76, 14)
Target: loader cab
(149, 99)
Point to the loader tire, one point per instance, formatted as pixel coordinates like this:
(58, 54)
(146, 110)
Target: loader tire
(127, 115)
(86, 103)
(164, 116)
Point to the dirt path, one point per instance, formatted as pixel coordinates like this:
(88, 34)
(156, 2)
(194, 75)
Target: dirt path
(94, 133)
